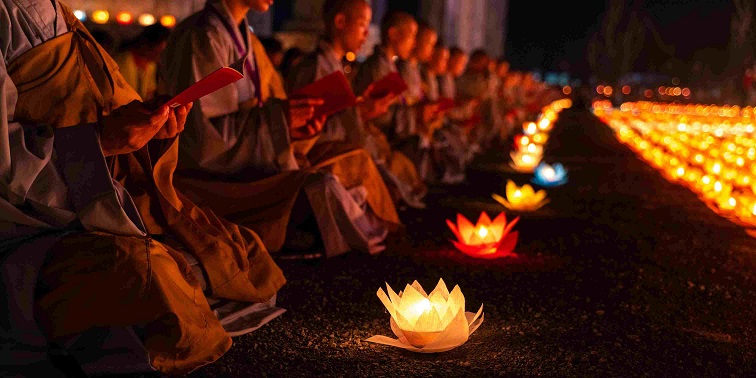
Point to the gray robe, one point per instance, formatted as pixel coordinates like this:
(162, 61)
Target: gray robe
(223, 140)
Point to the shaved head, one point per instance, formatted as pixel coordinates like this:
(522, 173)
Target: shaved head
(348, 7)
(396, 20)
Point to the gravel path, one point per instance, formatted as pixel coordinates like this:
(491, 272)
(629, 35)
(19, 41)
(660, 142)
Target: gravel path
(622, 274)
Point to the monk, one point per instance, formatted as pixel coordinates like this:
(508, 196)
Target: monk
(450, 150)
(418, 115)
(246, 148)
(476, 84)
(398, 32)
(93, 236)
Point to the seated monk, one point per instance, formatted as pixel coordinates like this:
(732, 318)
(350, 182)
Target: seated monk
(93, 236)
(246, 149)
(398, 32)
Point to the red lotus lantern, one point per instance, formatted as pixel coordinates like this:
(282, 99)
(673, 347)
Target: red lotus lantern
(487, 239)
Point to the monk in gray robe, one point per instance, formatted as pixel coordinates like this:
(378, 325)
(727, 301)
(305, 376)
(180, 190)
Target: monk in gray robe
(93, 236)
(420, 109)
(245, 149)
(346, 23)
(398, 31)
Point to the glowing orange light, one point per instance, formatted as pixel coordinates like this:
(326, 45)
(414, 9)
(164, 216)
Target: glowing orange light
(168, 21)
(124, 18)
(100, 17)
(626, 89)
(486, 239)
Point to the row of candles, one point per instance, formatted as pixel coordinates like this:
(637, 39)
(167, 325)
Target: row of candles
(709, 149)
(437, 322)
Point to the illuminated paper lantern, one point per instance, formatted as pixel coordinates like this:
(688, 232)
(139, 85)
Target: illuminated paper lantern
(550, 176)
(486, 239)
(168, 21)
(100, 17)
(428, 323)
(524, 162)
(522, 199)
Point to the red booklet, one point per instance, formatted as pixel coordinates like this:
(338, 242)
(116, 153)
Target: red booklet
(445, 104)
(389, 84)
(333, 89)
(472, 121)
(210, 83)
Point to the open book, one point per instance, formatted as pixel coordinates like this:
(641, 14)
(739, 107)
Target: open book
(333, 89)
(210, 83)
(389, 84)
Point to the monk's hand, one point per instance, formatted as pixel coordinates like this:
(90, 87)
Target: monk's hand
(130, 127)
(176, 121)
(300, 111)
(309, 130)
(372, 107)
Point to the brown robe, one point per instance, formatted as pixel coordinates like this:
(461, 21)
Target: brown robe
(82, 83)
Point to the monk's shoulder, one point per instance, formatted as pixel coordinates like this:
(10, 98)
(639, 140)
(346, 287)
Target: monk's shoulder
(200, 27)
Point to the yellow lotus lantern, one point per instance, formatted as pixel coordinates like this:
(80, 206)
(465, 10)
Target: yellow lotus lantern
(524, 162)
(428, 323)
(487, 239)
(522, 198)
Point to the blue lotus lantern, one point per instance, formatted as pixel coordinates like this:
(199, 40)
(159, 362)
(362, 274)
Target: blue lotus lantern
(550, 176)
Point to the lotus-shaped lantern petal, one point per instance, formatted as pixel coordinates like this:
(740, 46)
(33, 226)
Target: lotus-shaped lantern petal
(523, 161)
(486, 239)
(522, 198)
(550, 176)
(428, 323)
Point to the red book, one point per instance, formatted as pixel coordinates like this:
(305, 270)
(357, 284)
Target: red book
(389, 84)
(210, 83)
(333, 89)
(472, 121)
(445, 104)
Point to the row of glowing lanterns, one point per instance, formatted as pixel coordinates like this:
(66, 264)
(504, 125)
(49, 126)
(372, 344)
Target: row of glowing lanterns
(437, 321)
(708, 149)
(126, 18)
(607, 91)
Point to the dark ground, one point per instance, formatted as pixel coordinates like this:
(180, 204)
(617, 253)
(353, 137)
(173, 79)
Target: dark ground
(622, 274)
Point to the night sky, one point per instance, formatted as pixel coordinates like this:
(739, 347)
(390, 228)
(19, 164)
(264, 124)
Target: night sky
(688, 25)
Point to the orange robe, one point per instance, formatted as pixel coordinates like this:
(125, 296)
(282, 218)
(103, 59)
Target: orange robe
(123, 277)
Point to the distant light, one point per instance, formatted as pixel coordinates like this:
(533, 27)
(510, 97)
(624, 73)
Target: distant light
(348, 69)
(146, 19)
(567, 90)
(168, 21)
(124, 18)
(350, 56)
(100, 17)
(675, 81)
(81, 15)
(686, 92)
(677, 91)
(608, 91)
(626, 89)
(600, 89)
(662, 90)
(648, 93)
